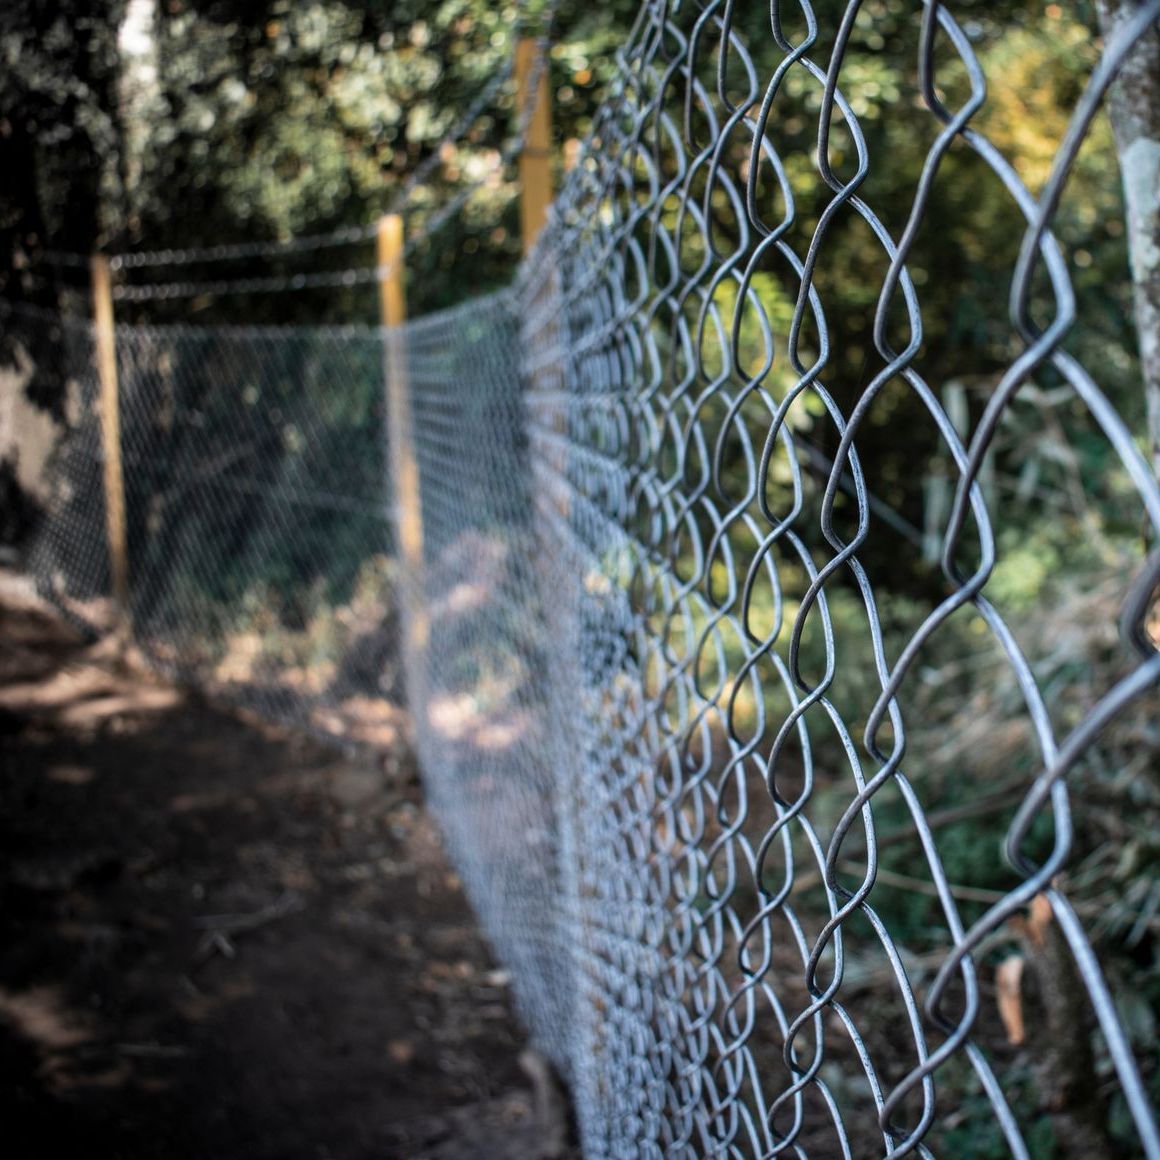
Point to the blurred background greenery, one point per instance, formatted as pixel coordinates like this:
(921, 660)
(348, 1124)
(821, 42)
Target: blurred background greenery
(179, 123)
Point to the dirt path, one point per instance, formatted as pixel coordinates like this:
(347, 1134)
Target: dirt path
(221, 940)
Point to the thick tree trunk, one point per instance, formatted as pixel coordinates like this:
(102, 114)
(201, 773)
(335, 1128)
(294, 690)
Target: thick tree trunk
(1060, 1037)
(139, 95)
(1134, 107)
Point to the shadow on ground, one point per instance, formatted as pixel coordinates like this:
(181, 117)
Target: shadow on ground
(219, 939)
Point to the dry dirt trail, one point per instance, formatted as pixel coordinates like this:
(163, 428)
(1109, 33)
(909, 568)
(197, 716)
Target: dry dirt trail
(223, 940)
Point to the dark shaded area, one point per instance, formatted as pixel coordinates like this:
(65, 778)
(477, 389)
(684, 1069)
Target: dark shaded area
(221, 940)
(18, 513)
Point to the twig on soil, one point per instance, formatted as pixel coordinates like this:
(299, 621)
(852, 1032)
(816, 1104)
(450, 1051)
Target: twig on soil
(219, 927)
(550, 1103)
(152, 1050)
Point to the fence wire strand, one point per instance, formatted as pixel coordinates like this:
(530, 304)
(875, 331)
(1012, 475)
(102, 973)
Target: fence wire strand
(706, 752)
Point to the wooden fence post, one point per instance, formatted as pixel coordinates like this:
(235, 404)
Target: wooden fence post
(535, 158)
(109, 409)
(392, 298)
(404, 464)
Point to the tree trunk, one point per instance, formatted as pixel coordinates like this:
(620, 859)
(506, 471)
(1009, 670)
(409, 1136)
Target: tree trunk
(1134, 106)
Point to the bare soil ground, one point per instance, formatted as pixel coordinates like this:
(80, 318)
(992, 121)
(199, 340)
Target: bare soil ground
(220, 939)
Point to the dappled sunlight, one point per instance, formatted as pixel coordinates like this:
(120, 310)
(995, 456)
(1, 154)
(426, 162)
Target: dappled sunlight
(463, 719)
(88, 696)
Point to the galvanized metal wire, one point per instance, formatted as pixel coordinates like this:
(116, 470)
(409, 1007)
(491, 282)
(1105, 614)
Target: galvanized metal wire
(722, 766)
(654, 446)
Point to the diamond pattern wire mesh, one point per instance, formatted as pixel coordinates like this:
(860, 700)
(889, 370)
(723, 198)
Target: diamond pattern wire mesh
(723, 809)
(723, 741)
(256, 496)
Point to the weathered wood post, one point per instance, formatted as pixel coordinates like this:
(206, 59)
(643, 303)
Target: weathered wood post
(109, 410)
(404, 464)
(536, 180)
(535, 157)
(535, 173)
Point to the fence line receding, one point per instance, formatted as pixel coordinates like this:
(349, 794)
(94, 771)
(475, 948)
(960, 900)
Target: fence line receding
(786, 681)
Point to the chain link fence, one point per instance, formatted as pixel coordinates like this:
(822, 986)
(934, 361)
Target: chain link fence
(256, 498)
(781, 948)
(783, 652)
